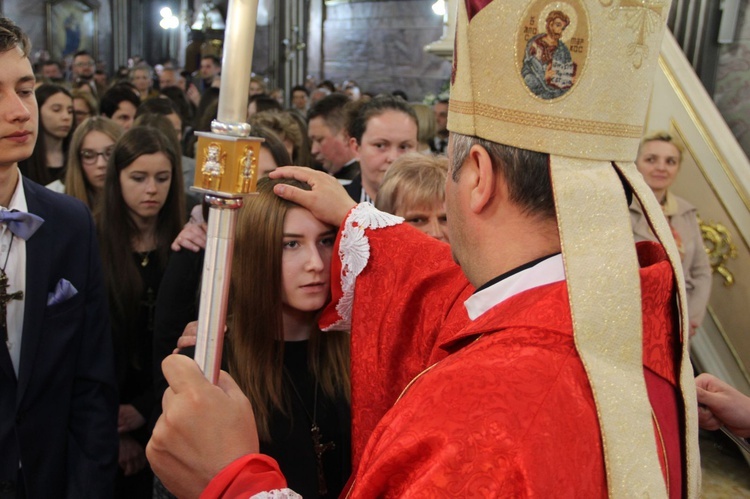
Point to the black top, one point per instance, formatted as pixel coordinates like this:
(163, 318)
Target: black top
(176, 305)
(348, 172)
(356, 191)
(292, 445)
(133, 345)
(56, 173)
(291, 440)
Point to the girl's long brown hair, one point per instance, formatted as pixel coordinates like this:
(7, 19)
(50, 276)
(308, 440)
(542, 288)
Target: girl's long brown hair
(116, 228)
(256, 336)
(35, 167)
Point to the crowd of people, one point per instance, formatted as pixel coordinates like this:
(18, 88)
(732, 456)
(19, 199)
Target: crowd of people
(125, 149)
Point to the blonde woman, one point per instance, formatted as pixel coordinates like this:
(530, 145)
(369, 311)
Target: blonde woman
(659, 160)
(414, 188)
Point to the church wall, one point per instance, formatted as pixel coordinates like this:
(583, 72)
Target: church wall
(31, 16)
(381, 46)
(732, 95)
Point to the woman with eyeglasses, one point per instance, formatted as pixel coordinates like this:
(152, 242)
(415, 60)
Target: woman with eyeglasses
(90, 149)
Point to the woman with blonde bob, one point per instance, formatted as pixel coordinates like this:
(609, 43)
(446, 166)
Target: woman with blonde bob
(414, 188)
(296, 377)
(659, 160)
(90, 149)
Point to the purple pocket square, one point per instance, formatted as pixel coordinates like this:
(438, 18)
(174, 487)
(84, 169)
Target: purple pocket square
(63, 291)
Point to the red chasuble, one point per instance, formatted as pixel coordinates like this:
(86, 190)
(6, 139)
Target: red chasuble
(507, 410)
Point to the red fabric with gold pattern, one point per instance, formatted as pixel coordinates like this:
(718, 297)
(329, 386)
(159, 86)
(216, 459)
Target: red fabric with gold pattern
(508, 411)
(396, 322)
(509, 415)
(660, 355)
(530, 434)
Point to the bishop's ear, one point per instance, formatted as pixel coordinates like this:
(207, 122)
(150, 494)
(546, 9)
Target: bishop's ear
(483, 178)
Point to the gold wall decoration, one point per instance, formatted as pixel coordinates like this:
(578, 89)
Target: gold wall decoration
(719, 247)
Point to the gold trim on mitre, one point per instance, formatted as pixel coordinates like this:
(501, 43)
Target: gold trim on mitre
(572, 78)
(605, 304)
(660, 227)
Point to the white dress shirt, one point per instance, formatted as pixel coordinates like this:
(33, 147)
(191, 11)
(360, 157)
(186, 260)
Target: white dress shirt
(16, 271)
(545, 272)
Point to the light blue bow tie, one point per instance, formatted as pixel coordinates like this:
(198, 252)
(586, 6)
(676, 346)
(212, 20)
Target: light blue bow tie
(21, 224)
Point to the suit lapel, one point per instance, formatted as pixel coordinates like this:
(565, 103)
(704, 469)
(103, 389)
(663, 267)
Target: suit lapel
(38, 266)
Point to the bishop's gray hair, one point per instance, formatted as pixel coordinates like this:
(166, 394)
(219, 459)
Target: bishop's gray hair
(526, 172)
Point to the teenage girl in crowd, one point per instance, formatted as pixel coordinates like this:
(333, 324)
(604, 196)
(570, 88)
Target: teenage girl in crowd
(141, 214)
(296, 376)
(177, 302)
(84, 106)
(90, 149)
(380, 131)
(47, 163)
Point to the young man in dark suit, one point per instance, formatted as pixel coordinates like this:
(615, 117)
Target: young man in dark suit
(58, 395)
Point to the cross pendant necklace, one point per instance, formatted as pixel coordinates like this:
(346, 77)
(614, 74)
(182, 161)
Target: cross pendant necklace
(318, 447)
(6, 297)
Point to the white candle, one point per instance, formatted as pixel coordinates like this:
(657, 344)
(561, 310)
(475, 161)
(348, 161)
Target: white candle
(237, 59)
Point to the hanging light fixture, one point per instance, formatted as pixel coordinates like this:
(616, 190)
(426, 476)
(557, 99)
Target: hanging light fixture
(168, 19)
(439, 8)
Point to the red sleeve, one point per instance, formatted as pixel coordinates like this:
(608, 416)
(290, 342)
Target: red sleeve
(245, 477)
(408, 291)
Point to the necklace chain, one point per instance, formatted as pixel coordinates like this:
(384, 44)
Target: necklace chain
(318, 447)
(312, 418)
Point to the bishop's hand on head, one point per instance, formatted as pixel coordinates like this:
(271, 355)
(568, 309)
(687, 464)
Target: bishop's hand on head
(327, 200)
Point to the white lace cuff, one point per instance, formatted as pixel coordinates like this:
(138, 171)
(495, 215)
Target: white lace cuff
(277, 494)
(354, 251)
